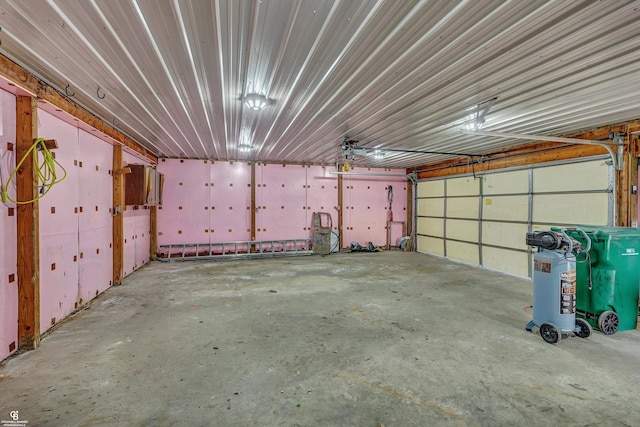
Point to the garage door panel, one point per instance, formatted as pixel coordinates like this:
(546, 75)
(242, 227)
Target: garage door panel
(463, 186)
(431, 207)
(466, 252)
(431, 188)
(431, 226)
(592, 175)
(588, 209)
(506, 208)
(463, 207)
(508, 235)
(512, 182)
(462, 230)
(512, 262)
(430, 245)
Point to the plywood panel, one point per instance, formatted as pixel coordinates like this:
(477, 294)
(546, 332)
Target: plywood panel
(8, 228)
(184, 215)
(587, 209)
(430, 245)
(592, 175)
(462, 230)
(504, 234)
(431, 188)
(230, 201)
(463, 186)
(511, 182)
(465, 252)
(431, 207)
(431, 226)
(509, 208)
(510, 262)
(462, 207)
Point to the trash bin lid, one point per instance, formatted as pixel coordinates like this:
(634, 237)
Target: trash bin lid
(607, 232)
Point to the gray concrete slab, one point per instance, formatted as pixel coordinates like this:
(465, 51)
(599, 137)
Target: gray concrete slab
(392, 338)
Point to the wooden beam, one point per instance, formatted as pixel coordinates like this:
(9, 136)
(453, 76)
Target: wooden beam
(409, 219)
(118, 217)
(538, 153)
(340, 210)
(19, 76)
(28, 226)
(153, 233)
(253, 201)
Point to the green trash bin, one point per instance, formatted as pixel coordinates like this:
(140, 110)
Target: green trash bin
(608, 280)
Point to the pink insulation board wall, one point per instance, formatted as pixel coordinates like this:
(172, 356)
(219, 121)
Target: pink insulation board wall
(75, 222)
(286, 197)
(8, 228)
(136, 229)
(366, 206)
(281, 200)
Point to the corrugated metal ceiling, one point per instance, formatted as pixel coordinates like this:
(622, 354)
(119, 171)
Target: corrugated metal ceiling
(391, 74)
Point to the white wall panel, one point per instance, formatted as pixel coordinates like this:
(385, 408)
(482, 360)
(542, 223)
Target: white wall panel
(512, 262)
(465, 252)
(462, 207)
(431, 226)
(511, 182)
(504, 234)
(592, 175)
(506, 208)
(431, 207)
(463, 186)
(462, 230)
(431, 188)
(430, 245)
(587, 209)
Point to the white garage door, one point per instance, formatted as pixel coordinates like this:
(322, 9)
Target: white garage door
(483, 220)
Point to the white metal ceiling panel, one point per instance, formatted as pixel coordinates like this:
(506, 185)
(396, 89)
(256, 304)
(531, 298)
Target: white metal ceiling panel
(392, 74)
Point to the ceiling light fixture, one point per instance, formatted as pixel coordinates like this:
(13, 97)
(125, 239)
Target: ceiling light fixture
(255, 101)
(245, 148)
(378, 155)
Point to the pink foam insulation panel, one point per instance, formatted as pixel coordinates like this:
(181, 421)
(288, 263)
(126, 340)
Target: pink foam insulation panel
(184, 215)
(136, 229)
(8, 228)
(286, 197)
(366, 206)
(322, 194)
(95, 220)
(136, 238)
(75, 222)
(229, 202)
(59, 213)
(281, 200)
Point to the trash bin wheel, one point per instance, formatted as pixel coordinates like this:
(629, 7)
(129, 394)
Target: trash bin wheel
(585, 328)
(549, 332)
(608, 322)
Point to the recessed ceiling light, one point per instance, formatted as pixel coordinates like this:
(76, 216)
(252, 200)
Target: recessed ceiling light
(255, 101)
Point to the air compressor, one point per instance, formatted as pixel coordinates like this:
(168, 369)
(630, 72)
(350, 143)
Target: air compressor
(554, 285)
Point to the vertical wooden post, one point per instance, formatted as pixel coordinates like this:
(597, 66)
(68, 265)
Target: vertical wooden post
(28, 226)
(409, 218)
(623, 192)
(253, 201)
(118, 216)
(340, 210)
(153, 233)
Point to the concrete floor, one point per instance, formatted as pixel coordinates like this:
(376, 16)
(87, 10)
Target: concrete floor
(393, 339)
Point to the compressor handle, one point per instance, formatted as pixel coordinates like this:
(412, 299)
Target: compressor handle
(586, 238)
